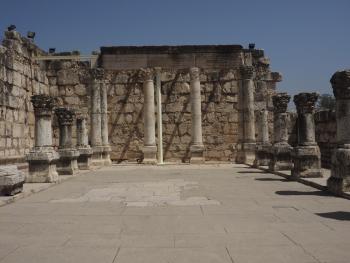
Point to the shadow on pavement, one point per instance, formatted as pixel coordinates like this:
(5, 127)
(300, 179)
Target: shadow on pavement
(317, 193)
(251, 172)
(339, 215)
(272, 180)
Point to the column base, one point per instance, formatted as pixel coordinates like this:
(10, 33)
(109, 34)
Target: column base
(149, 155)
(106, 156)
(68, 162)
(262, 155)
(42, 166)
(84, 159)
(307, 162)
(280, 157)
(11, 180)
(197, 154)
(97, 156)
(339, 181)
(246, 154)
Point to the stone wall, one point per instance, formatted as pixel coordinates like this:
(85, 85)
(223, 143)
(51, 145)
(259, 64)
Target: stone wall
(326, 131)
(20, 77)
(69, 82)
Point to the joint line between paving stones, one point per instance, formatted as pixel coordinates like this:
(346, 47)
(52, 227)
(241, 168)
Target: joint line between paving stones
(116, 255)
(228, 253)
(12, 251)
(299, 245)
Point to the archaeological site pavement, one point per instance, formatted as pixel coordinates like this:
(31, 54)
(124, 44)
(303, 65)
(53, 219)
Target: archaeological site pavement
(176, 213)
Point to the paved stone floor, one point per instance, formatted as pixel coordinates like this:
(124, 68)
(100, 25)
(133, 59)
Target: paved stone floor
(176, 213)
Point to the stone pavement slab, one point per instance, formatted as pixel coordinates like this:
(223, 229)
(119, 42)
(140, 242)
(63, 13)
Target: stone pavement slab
(176, 213)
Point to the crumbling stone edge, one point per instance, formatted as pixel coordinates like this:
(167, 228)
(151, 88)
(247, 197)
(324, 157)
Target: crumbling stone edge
(303, 181)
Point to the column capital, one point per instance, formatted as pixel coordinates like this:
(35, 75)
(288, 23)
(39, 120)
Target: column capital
(42, 104)
(194, 73)
(247, 72)
(147, 74)
(305, 102)
(341, 84)
(280, 102)
(97, 73)
(65, 116)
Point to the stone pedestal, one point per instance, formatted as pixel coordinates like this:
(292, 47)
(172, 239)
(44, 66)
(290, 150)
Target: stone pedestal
(11, 180)
(246, 153)
(306, 156)
(68, 161)
(262, 152)
(197, 147)
(340, 173)
(150, 148)
(85, 151)
(280, 153)
(42, 158)
(96, 123)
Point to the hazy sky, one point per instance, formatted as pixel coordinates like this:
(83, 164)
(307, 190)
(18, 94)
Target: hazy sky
(307, 41)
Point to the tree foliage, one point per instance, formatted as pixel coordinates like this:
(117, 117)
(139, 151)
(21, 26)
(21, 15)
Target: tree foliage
(326, 102)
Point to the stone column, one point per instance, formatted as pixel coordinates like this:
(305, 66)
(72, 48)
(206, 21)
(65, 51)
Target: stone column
(104, 125)
(85, 151)
(95, 132)
(262, 154)
(247, 152)
(67, 163)
(340, 172)
(42, 158)
(197, 147)
(150, 147)
(306, 156)
(281, 150)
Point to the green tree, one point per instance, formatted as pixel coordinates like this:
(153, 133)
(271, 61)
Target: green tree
(326, 102)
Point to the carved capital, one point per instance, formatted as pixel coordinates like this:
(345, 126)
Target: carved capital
(147, 74)
(280, 102)
(42, 104)
(65, 116)
(341, 84)
(97, 73)
(194, 73)
(247, 72)
(305, 102)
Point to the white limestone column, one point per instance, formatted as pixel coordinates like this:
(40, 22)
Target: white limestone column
(197, 147)
(96, 129)
(264, 127)
(150, 148)
(104, 124)
(84, 160)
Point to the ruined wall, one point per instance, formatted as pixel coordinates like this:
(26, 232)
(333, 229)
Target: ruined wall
(326, 135)
(69, 82)
(20, 77)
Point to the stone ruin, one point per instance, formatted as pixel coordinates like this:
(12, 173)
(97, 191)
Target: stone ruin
(61, 114)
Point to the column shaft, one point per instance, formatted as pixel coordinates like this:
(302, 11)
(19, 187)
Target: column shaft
(96, 136)
(149, 112)
(196, 111)
(104, 115)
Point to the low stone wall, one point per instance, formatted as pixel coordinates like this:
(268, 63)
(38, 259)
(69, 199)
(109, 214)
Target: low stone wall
(326, 130)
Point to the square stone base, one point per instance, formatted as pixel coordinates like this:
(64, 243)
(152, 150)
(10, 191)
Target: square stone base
(280, 157)
(307, 162)
(97, 156)
(84, 159)
(246, 154)
(106, 155)
(197, 154)
(11, 180)
(68, 162)
(262, 155)
(339, 181)
(149, 155)
(42, 166)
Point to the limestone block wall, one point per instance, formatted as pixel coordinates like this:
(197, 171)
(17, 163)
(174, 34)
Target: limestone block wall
(326, 130)
(20, 77)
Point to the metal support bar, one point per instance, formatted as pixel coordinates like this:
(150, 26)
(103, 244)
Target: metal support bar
(159, 116)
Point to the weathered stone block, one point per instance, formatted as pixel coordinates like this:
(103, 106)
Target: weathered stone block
(11, 180)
